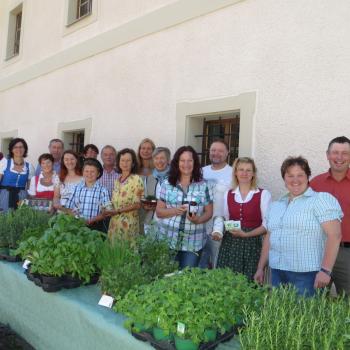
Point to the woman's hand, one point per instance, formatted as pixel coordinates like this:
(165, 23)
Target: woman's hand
(194, 218)
(238, 233)
(148, 207)
(215, 236)
(259, 276)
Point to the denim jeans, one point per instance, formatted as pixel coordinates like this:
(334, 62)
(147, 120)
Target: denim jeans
(210, 254)
(187, 259)
(302, 281)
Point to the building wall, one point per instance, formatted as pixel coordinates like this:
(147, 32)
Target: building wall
(293, 55)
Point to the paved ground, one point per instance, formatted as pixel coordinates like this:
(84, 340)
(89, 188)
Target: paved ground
(9, 340)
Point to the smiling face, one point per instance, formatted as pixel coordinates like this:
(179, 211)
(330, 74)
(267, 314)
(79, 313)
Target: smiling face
(46, 166)
(90, 174)
(338, 156)
(70, 161)
(244, 173)
(125, 163)
(218, 154)
(108, 157)
(56, 150)
(91, 153)
(296, 180)
(146, 150)
(186, 163)
(160, 161)
(18, 150)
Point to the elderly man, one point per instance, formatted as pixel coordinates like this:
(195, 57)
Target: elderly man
(219, 176)
(109, 175)
(56, 148)
(336, 181)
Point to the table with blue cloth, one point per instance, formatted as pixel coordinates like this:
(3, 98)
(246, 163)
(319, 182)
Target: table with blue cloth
(67, 320)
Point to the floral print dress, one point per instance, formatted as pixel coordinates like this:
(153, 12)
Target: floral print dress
(126, 193)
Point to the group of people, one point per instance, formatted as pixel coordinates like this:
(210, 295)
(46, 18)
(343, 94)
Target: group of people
(304, 237)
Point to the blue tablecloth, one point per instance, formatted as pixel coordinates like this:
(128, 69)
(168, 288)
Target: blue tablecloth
(65, 320)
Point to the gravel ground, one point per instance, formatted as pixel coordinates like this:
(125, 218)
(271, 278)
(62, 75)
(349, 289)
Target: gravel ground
(9, 340)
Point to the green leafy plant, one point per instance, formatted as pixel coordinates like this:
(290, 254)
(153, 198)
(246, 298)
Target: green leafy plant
(15, 224)
(288, 321)
(124, 265)
(66, 247)
(201, 300)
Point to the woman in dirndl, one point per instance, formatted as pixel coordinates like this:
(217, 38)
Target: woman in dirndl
(246, 203)
(15, 174)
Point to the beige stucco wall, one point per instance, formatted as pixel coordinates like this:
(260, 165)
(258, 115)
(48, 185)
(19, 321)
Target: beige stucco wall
(293, 54)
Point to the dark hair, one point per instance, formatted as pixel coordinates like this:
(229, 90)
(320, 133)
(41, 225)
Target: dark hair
(174, 172)
(134, 166)
(56, 140)
(339, 139)
(90, 146)
(291, 161)
(45, 156)
(95, 163)
(220, 141)
(64, 170)
(13, 143)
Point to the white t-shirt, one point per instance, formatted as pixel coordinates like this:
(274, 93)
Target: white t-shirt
(220, 181)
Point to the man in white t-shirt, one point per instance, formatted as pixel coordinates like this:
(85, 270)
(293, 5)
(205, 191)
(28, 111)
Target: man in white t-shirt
(219, 176)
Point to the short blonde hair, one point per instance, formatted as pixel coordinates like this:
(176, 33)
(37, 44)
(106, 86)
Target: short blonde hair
(245, 160)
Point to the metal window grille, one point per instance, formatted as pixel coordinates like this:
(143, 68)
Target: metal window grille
(226, 129)
(77, 143)
(17, 33)
(84, 8)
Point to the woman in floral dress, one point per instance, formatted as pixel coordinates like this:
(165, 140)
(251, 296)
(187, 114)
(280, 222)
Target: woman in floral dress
(126, 198)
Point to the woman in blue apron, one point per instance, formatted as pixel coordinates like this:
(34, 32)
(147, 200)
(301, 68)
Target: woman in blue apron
(14, 175)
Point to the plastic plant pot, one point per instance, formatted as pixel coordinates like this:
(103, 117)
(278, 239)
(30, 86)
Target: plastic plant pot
(139, 327)
(185, 344)
(159, 334)
(210, 335)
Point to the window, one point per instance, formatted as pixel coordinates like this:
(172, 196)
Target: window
(14, 32)
(74, 140)
(78, 9)
(226, 127)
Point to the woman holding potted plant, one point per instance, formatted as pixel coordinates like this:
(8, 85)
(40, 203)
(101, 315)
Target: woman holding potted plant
(246, 204)
(126, 198)
(152, 183)
(15, 174)
(69, 177)
(185, 204)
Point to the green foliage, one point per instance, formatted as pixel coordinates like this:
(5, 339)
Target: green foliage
(15, 225)
(200, 299)
(288, 321)
(67, 247)
(125, 265)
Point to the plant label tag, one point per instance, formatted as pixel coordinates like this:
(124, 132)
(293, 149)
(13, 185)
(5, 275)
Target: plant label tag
(26, 264)
(232, 225)
(181, 328)
(106, 301)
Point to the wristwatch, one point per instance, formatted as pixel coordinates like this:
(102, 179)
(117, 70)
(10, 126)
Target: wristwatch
(327, 272)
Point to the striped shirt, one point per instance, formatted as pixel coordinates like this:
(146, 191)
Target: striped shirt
(182, 233)
(297, 239)
(87, 201)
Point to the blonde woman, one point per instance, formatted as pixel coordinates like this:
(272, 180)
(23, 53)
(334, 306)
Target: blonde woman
(245, 202)
(144, 157)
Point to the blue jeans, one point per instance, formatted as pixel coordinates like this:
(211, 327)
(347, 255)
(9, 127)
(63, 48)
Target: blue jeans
(187, 259)
(209, 254)
(302, 281)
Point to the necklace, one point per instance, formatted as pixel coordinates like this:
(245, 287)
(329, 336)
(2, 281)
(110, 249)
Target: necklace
(18, 164)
